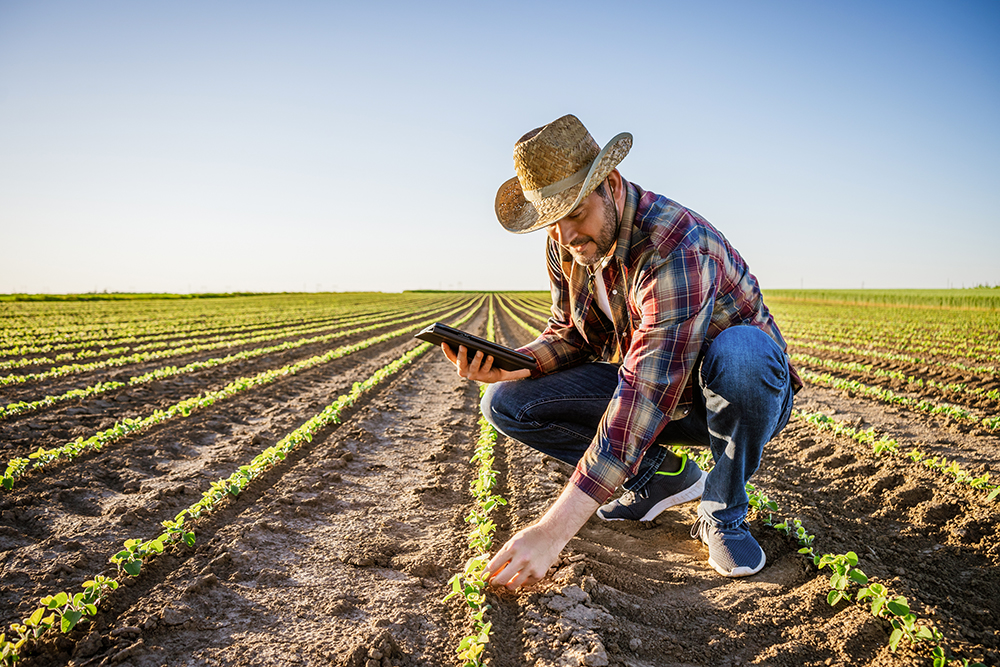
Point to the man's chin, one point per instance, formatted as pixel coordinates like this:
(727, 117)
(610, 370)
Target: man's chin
(588, 260)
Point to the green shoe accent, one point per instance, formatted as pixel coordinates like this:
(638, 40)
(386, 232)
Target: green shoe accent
(684, 460)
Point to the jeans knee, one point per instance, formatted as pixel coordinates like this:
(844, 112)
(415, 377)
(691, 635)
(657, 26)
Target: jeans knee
(743, 358)
(492, 404)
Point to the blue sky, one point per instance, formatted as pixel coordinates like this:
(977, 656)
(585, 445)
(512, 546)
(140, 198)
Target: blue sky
(209, 146)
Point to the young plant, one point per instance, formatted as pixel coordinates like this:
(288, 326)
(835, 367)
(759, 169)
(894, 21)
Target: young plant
(61, 610)
(794, 528)
(472, 581)
(762, 503)
(129, 560)
(176, 531)
(845, 571)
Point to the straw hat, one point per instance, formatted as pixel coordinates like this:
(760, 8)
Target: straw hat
(557, 166)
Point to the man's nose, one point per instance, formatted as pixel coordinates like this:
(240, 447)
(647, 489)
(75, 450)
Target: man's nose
(563, 232)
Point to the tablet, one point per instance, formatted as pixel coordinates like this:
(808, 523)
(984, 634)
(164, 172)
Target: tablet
(503, 357)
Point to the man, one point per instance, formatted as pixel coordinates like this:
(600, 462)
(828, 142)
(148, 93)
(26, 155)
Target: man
(658, 335)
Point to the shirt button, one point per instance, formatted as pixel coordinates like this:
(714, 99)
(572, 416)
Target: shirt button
(614, 291)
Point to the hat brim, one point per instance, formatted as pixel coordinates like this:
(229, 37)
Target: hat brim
(520, 216)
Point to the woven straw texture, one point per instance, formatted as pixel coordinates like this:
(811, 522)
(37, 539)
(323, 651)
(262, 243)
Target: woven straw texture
(546, 156)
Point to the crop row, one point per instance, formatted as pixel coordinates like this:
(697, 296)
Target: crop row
(18, 467)
(119, 345)
(23, 407)
(970, 362)
(991, 423)
(37, 345)
(186, 343)
(862, 335)
(894, 610)
(532, 309)
(939, 324)
(873, 370)
(72, 369)
(926, 300)
(894, 356)
(882, 445)
(64, 610)
(28, 323)
(471, 583)
(846, 576)
(922, 340)
(527, 327)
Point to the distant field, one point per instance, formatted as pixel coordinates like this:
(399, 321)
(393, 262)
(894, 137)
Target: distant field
(977, 297)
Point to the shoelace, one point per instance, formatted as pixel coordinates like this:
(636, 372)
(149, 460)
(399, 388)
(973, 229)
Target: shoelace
(696, 528)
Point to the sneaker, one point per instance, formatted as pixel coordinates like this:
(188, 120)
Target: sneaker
(733, 552)
(664, 490)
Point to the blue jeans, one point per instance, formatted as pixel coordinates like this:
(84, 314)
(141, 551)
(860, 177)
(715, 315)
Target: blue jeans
(742, 399)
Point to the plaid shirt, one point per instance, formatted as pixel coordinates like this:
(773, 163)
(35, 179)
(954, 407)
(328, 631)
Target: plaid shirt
(673, 284)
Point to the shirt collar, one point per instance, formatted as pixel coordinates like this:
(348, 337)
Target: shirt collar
(624, 242)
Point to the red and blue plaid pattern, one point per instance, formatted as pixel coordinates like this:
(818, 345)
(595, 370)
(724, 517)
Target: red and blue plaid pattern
(674, 283)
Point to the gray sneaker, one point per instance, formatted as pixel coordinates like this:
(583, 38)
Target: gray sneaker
(733, 552)
(663, 491)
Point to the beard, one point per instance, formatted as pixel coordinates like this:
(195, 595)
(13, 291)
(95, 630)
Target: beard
(605, 238)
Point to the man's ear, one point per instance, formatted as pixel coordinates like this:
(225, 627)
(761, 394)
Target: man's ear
(617, 189)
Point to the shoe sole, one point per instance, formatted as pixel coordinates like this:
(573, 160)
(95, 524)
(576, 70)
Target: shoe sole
(739, 571)
(693, 492)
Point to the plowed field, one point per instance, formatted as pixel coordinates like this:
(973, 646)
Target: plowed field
(341, 554)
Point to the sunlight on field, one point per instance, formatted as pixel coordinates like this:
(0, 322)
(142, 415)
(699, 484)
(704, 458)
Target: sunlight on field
(189, 475)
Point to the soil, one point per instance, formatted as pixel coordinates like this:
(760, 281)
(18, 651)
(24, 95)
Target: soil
(341, 555)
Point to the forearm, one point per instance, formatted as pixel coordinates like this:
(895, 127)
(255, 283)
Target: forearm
(567, 515)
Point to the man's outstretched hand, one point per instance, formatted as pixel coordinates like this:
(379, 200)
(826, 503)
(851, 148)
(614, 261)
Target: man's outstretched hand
(479, 369)
(526, 557)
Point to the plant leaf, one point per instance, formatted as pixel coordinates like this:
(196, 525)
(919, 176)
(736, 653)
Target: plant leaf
(70, 619)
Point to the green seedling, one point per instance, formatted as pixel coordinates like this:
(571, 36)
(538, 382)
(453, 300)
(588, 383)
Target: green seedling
(129, 559)
(845, 571)
(60, 610)
(17, 467)
(889, 446)
(10, 651)
(762, 503)
(176, 531)
(942, 660)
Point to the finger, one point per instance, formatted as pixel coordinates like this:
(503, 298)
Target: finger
(498, 578)
(487, 365)
(498, 562)
(463, 361)
(475, 363)
(448, 353)
(505, 576)
(523, 578)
